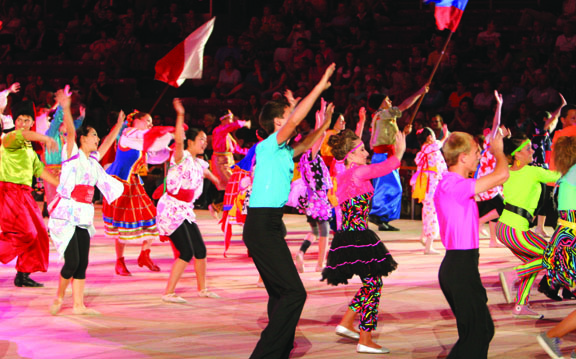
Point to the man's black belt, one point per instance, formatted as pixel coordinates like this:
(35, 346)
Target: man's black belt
(519, 211)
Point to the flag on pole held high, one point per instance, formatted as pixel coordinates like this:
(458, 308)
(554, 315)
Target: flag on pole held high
(448, 13)
(185, 60)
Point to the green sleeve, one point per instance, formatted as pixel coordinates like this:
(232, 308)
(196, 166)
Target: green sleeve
(546, 176)
(37, 167)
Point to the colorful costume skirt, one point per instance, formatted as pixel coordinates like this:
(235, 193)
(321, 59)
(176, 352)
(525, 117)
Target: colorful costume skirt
(560, 254)
(357, 252)
(132, 217)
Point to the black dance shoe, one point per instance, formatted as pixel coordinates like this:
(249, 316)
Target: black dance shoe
(24, 280)
(567, 294)
(544, 288)
(374, 219)
(385, 226)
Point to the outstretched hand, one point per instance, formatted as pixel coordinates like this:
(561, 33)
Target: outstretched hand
(400, 145)
(178, 107)
(325, 81)
(290, 98)
(121, 117)
(63, 98)
(499, 99)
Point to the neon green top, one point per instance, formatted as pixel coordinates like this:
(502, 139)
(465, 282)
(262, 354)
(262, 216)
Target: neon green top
(18, 161)
(523, 190)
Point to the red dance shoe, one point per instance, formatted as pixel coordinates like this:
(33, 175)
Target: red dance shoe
(121, 267)
(145, 260)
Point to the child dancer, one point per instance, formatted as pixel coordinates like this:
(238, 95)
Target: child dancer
(225, 146)
(176, 217)
(355, 249)
(264, 230)
(431, 167)
(314, 201)
(458, 218)
(72, 215)
(521, 193)
(132, 217)
(559, 256)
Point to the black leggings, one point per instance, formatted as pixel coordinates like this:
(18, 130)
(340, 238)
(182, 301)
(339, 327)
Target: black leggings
(76, 255)
(187, 239)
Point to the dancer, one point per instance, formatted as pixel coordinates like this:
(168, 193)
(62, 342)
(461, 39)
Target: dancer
(521, 193)
(314, 201)
(559, 256)
(176, 217)
(458, 218)
(53, 160)
(541, 129)
(355, 249)
(490, 203)
(72, 214)
(224, 146)
(431, 167)
(387, 198)
(24, 233)
(264, 230)
(132, 217)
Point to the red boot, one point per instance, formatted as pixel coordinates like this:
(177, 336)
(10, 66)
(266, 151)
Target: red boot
(121, 267)
(145, 260)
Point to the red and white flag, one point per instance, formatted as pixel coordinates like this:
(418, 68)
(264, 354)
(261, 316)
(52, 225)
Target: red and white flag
(185, 60)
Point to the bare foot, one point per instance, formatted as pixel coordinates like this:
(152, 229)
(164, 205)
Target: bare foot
(56, 306)
(85, 311)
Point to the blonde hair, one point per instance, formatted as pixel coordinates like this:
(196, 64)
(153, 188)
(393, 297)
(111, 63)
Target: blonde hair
(456, 144)
(565, 153)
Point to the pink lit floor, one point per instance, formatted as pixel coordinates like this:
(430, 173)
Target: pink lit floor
(415, 320)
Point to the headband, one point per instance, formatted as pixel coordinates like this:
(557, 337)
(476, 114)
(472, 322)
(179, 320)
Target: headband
(352, 150)
(520, 147)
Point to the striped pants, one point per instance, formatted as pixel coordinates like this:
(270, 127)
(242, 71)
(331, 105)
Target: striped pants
(529, 248)
(366, 303)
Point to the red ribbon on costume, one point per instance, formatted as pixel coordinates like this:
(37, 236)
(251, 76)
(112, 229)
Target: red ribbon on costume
(83, 193)
(184, 195)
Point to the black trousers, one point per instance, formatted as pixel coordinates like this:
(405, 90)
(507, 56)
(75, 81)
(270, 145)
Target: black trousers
(76, 255)
(187, 239)
(264, 235)
(461, 284)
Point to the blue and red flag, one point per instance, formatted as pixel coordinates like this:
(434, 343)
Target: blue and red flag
(448, 13)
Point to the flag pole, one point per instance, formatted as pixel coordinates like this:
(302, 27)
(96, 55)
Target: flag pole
(158, 100)
(431, 77)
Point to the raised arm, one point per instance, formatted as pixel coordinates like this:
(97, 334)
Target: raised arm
(324, 114)
(500, 173)
(63, 99)
(304, 107)
(361, 121)
(179, 136)
(552, 122)
(497, 113)
(410, 101)
(108, 141)
(314, 136)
